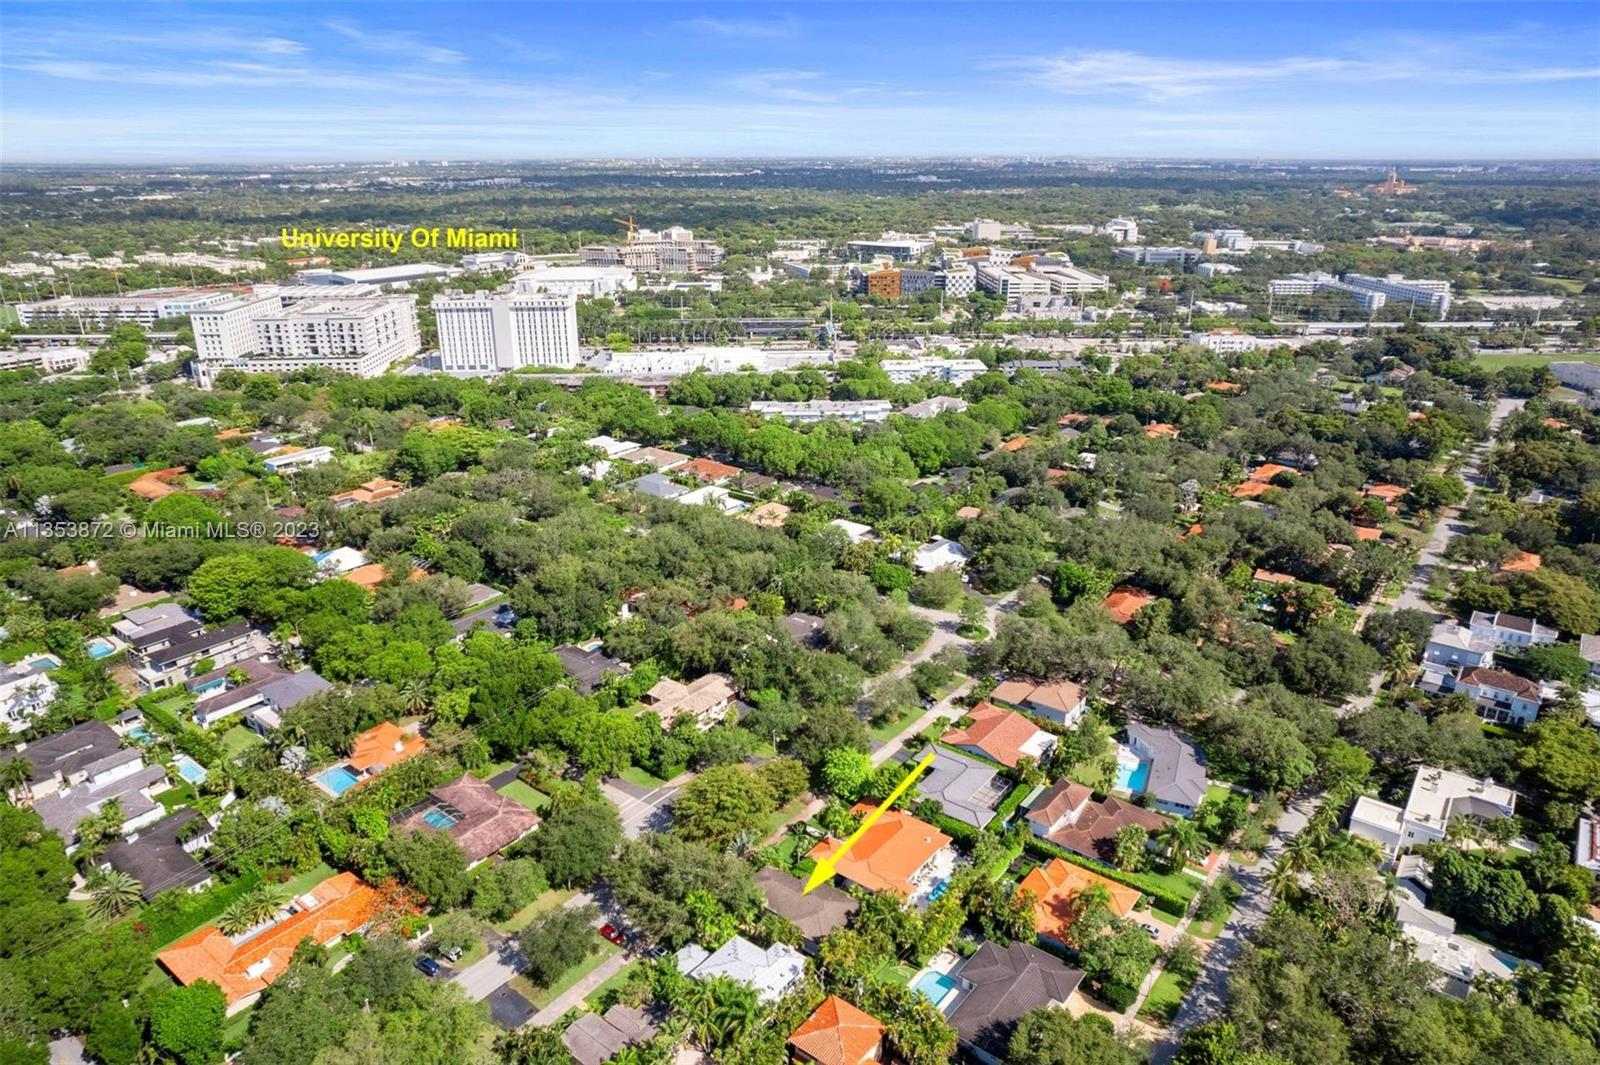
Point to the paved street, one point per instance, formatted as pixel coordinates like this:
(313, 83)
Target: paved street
(643, 809)
(1209, 994)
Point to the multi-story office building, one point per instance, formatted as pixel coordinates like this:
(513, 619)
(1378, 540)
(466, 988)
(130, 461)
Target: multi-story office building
(899, 246)
(1224, 239)
(856, 411)
(1066, 279)
(956, 281)
(143, 308)
(1122, 230)
(1010, 282)
(674, 250)
(363, 336)
(1369, 293)
(1154, 256)
(591, 281)
(955, 371)
(493, 332)
(1226, 341)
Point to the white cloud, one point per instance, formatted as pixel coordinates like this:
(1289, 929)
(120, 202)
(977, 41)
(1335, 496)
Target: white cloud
(787, 26)
(396, 43)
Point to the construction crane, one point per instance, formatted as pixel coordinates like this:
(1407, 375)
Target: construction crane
(627, 223)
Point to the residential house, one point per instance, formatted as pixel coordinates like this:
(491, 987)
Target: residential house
(898, 853)
(244, 966)
(339, 561)
(998, 986)
(1589, 648)
(1501, 697)
(469, 811)
(770, 972)
(1003, 736)
(768, 515)
(939, 553)
(660, 458)
(121, 775)
(838, 1033)
(1438, 796)
(294, 459)
(161, 857)
(657, 486)
(933, 406)
(1454, 646)
(1067, 815)
(383, 746)
(1060, 701)
(1509, 630)
(1586, 852)
(596, 1038)
(705, 699)
(612, 447)
(174, 662)
(267, 692)
(1177, 777)
(141, 621)
(713, 496)
(970, 791)
(806, 629)
(26, 691)
(589, 668)
(855, 531)
(1126, 601)
(64, 759)
(1460, 960)
(374, 491)
(708, 471)
(815, 915)
(1055, 887)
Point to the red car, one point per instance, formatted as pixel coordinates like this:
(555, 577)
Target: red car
(610, 932)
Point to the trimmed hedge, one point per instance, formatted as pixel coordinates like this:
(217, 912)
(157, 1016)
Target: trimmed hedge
(1008, 807)
(174, 914)
(1160, 897)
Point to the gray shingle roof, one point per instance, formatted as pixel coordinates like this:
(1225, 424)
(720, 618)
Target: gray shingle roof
(1008, 982)
(157, 859)
(1177, 773)
(969, 790)
(815, 914)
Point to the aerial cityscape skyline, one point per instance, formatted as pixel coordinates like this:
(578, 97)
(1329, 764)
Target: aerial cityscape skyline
(224, 82)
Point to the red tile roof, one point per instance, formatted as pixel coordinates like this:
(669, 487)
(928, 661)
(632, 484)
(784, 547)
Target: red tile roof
(838, 1034)
(382, 746)
(1055, 887)
(1123, 603)
(708, 470)
(889, 854)
(1000, 734)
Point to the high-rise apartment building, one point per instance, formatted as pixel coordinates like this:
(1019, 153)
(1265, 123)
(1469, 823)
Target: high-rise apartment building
(494, 332)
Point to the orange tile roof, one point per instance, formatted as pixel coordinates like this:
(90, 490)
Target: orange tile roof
(1267, 576)
(1232, 388)
(336, 907)
(1251, 489)
(1055, 887)
(154, 485)
(708, 470)
(1156, 430)
(1000, 734)
(373, 574)
(1194, 530)
(1367, 532)
(1386, 492)
(232, 434)
(1521, 562)
(839, 1034)
(968, 513)
(1015, 444)
(1267, 471)
(1125, 602)
(889, 854)
(371, 492)
(1074, 419)
(382, 746)
(1554, 423)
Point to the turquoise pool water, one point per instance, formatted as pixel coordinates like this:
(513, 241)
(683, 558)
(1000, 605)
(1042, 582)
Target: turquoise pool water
(139, 734)
(439, 819)
(44, 663)
(938, 891)
(189, 769)
(337, 779)
(100, 647)
(1133, 777)
(935, 987)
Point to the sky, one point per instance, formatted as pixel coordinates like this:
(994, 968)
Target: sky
(288, 82)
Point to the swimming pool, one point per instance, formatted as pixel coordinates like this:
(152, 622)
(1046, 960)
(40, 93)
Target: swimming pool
(189, 769)
(938, 891)
(935, 987)
(439, 819)
(100, 647)
(1133, 776)
(337, 779)
(139, 734)
(43, 663)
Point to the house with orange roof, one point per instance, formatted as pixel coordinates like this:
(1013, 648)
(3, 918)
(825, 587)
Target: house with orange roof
(382, 746)
(898, 853)
(767, 515)
(374, 491)
(1003, 736)
(708, 471)
(838, 1033)
(153, 485)
(1056, 887)
(1161, 430)
(1521, 562)
(1016, 443)
(1389, 493)
(1267, 576)
(1367, 532)
(245, 965)
(968, 513)
(1126, 601)
(375, 573)
(1228, 388)
(1060, 701)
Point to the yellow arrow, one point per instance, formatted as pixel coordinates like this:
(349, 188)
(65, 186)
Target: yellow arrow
(825, 866)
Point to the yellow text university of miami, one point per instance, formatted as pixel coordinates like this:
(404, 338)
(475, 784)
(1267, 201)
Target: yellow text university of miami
(392, 241)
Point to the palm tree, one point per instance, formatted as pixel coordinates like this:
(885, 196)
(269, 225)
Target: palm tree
(15, 777)
(96, 831)
(114, 893)
(414, 697)
(254, 907)
(1182, 841)
(735, 1011)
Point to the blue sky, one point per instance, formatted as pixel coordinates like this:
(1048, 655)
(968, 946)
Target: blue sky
(173, 82)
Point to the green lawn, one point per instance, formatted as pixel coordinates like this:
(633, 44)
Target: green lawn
(238, 740)
(543, 996)
(492, 770)
(1501, 362)
(890, 729)
(895, 971)
(534, 910)
(235, 1027)
(527, 795)
(612, 982)
(1207, 929)
(1170, 920)
(634, 775)
(157, 980)
(307, 880)
(785, 815)
(1163, 1000)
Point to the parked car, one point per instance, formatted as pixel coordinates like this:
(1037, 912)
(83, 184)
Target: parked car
(611, 933)
(450, 955)
(428, 966)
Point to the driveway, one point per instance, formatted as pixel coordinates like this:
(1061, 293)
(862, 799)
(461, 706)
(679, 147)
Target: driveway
(487, 975)
(1209, 995)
